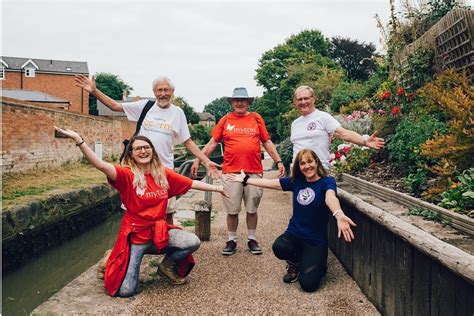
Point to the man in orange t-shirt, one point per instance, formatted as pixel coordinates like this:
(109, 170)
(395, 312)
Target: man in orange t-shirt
(242, 132)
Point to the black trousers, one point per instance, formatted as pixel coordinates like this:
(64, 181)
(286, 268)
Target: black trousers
(312, 260)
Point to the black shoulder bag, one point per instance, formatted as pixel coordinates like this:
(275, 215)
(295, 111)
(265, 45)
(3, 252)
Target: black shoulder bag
(126, 142)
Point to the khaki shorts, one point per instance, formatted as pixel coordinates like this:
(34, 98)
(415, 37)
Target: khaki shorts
(251, 195)
(171, 205)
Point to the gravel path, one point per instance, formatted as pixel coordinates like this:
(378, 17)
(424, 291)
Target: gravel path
(247, 284)
(240, 284)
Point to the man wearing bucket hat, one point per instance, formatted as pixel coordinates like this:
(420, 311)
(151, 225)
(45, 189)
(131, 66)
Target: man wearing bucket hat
(242, 132)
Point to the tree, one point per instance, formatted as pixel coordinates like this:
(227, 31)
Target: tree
(111, 85)
(218, 107)
(357, 59)
(189, 112)
(302, 48)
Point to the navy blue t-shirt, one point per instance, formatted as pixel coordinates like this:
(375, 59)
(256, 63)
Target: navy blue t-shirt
(310, 212)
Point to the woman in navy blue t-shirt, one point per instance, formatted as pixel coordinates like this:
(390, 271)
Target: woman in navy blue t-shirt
(304, 244)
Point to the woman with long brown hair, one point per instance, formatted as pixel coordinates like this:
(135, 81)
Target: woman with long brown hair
(145, 186)
(304, 244)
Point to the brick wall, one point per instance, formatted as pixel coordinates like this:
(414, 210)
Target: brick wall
(29, 142)
(58, 85)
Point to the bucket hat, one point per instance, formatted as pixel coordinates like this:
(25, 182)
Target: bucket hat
(240, 93)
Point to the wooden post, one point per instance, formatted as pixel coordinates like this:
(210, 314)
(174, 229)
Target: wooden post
(202, 211)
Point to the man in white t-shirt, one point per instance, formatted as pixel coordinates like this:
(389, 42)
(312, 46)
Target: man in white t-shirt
(165, 124)
(314, 129)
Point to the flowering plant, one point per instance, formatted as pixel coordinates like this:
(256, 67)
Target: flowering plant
(349, 158)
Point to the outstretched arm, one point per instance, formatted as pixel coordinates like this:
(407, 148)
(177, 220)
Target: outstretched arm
(262, 183)
(210, 165)
(107, 168)
(271, 150)
(207, 151)
(344, 223)
(202, 186)
(372, 141)
(89, 85)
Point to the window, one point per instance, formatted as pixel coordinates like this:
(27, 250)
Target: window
(2, 73)
(29, 72)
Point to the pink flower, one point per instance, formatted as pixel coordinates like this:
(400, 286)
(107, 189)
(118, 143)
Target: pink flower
(380, 111)
(337, 155)
(371, 111)
(401, 91)
(346, 149)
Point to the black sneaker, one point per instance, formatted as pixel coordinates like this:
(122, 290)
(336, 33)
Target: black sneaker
(292, 272)
(253, 247)
(230, 247)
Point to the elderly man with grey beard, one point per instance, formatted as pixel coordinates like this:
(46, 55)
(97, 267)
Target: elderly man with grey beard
(164, 124)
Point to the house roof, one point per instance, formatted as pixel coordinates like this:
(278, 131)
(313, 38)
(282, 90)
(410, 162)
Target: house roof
(205, 116)
(30, 95)
(46, 65)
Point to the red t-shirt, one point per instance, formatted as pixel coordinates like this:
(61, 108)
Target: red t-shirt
(152, 202)
(242, 136)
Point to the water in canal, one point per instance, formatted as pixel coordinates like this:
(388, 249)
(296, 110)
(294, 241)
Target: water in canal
(32, 284)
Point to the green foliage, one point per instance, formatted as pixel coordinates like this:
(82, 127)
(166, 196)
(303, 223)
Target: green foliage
(412, 131)
(200, 134)
(191, 115)
(350, 158)
(419, 68)
(460, 195)
(345, 93)
(112, 85)
(451, 94)
(285, 150)
(354, 57)
(187, 222)
(416, 182)
(218, 107)
(426, 214)
(298, 49)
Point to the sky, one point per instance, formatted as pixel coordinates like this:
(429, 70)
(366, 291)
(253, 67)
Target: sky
(205, 47)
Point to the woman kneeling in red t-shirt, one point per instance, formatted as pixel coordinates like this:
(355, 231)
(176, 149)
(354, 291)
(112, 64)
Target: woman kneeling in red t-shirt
(145, 186)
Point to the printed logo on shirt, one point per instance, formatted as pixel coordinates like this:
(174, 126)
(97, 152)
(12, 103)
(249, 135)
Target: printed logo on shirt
(157, 126)
(311, 126)
(158, 194)
(239, 130)
(305, 196)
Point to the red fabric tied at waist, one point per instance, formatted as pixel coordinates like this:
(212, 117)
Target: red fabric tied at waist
(141, 231)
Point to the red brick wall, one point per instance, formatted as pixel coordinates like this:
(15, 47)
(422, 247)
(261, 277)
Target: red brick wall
(61, 86)
(28, 140)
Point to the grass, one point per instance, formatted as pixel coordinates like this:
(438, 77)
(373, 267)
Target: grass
(21, 188)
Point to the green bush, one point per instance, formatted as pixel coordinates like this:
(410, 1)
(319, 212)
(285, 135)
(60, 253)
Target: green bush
(412, 131)
(345, 93)
(285, 150)
(416, 182)
(460, 195)
(200, 133)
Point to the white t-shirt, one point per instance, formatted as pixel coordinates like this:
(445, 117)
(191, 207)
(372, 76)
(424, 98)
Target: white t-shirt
(314, 131)
(164, 127)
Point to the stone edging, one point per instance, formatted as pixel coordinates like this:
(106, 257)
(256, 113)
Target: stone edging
(460, 222)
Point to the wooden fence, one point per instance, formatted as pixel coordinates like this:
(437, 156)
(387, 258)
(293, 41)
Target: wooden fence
(452, 41)
(400, 268)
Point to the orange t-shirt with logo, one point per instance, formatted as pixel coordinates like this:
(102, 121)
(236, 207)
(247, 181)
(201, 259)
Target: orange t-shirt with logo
(242, 136)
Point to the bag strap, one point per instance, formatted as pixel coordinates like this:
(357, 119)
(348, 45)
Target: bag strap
(126, 142)
(145, 110)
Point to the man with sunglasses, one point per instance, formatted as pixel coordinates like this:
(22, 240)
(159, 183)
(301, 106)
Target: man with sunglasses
(242, 133)
(165, 124)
